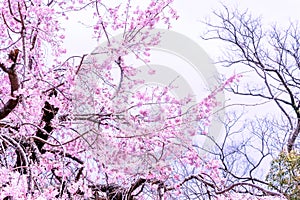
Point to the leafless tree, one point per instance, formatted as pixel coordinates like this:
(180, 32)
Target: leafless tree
(271, 53)
(271, 56)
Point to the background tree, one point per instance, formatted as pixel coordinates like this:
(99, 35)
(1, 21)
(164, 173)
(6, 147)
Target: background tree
(270, 56)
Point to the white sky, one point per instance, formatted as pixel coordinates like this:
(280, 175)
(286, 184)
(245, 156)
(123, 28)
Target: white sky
(191, 12)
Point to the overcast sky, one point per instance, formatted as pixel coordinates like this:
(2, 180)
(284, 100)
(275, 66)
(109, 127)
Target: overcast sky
(191, 13)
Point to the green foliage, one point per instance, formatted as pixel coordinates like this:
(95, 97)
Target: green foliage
(285, 174)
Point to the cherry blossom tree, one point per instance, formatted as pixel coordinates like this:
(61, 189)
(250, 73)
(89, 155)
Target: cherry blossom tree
(64, 136)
